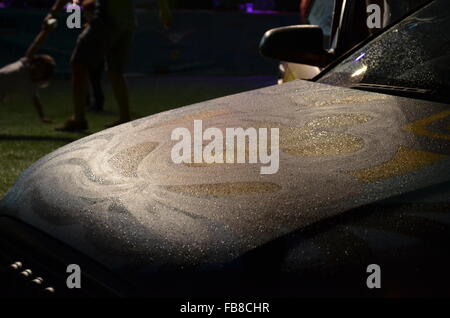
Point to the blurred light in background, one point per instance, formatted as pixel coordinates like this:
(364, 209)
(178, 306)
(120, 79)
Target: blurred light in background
(248, 6)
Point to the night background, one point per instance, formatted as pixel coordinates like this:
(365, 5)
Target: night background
(210, 51)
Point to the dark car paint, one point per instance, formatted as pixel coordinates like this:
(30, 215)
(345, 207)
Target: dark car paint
(116, 197)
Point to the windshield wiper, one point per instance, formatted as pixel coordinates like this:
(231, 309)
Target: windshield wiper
(417, 93)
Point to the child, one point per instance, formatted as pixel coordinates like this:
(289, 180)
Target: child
(29, 73)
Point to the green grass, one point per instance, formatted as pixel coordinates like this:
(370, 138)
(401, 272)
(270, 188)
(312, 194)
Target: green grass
(23, 139)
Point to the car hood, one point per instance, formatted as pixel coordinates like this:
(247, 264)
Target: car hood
(118, 197)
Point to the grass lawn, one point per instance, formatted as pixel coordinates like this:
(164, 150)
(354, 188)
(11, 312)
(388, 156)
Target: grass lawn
(23, 139)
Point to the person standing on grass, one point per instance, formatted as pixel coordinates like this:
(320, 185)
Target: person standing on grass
(109, 36)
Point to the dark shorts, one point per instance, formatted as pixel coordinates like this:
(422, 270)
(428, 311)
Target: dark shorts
(98, 43)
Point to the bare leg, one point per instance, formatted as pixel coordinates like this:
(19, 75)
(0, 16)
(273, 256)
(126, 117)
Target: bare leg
(120, 90)
(80, 77)
(97, 99)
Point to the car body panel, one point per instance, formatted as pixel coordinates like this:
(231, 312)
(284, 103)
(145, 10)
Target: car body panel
(117, 196)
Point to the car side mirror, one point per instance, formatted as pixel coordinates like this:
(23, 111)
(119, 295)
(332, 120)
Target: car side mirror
(302, 44)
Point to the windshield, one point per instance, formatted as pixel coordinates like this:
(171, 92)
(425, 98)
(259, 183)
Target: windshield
(414, 54)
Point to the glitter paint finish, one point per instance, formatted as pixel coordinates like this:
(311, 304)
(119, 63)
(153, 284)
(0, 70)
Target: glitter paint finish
(118, 193)
(225, 189)
(404, 161)
(127, 161)
(420, 127)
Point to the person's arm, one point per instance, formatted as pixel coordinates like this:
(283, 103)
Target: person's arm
(38, 41)
(304, 9)
(46, 28)
(56, 8)
(58, 5)
(165, 13)
(40, 110)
